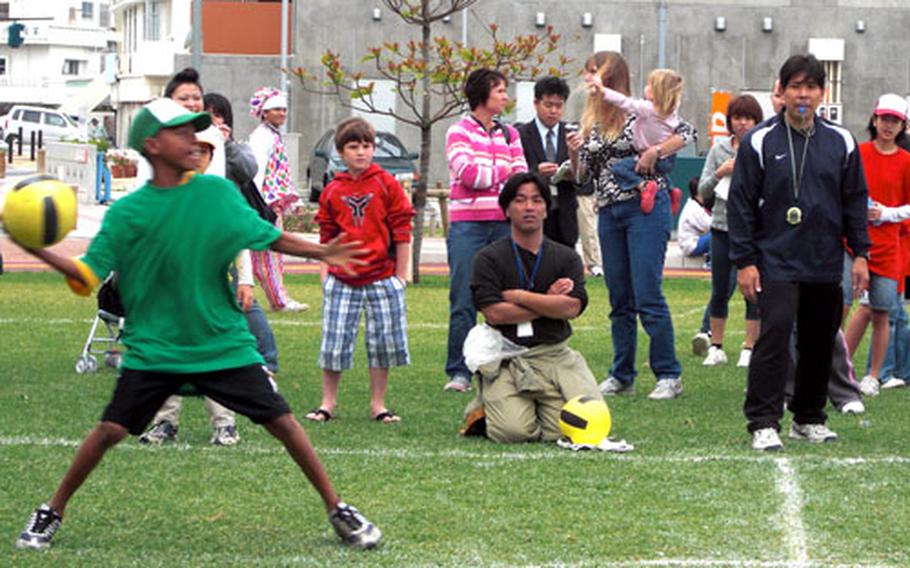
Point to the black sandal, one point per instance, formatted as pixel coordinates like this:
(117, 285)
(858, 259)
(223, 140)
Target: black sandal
(319, 415)
(387, 417)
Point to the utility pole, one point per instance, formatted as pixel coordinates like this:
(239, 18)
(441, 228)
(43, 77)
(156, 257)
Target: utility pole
(662, 18)
(282, 71)
(196, 60)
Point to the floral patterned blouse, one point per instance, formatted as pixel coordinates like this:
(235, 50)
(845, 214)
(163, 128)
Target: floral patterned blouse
(598, 154)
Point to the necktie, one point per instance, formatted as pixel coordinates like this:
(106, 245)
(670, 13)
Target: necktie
(550, 149)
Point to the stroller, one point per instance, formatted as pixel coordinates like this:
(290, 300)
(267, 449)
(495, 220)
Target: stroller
(110, 316)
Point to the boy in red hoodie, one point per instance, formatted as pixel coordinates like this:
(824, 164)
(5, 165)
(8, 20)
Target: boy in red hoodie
(367, 204)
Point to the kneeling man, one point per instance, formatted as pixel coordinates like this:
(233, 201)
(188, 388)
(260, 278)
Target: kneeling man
(529, 287)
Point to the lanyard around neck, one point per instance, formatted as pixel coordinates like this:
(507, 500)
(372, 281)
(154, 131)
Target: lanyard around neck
(522, 275)
(798, 178)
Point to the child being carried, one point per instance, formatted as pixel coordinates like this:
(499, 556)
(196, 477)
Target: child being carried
(656, 120)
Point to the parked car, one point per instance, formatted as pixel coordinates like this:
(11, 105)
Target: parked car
(54, 124)
(325, 162)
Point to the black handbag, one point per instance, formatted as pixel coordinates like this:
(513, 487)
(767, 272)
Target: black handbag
(254, 198)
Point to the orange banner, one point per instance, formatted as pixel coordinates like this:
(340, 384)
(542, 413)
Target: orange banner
(718, 120)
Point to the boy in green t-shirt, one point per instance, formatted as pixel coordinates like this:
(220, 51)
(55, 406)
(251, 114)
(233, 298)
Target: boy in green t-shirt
(172, 242)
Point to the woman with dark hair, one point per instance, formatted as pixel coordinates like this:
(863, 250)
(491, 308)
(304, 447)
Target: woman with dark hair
(633, 244)
(482, 153)
(743, 113)
(185, 89)
(887, 169)
(270, 107)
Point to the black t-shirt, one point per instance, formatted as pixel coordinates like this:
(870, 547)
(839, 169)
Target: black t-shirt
(495, 270)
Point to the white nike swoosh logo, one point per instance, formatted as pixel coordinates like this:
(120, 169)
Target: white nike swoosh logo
(779, 156)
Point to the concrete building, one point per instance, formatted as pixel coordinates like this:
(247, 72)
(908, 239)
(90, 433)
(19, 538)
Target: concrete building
(731, 45)
(64, 57)
(150, 35)
(241, 44)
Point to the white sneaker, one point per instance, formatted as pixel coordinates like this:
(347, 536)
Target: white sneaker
(716, 356)
(597, 271)
(700, 343)
(295, 306)
(458, 383)
(745, 357)
(766, 440)
(869, 385)
(613, 386)
(815, 433)
(666, 389)
(894, 383)
(853, 407)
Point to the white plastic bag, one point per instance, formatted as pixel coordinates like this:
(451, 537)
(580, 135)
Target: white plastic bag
(485, 345)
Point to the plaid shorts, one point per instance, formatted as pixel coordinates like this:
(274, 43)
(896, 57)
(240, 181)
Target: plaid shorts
(386, 324)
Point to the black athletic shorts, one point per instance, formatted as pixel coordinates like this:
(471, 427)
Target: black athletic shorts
(246, 390)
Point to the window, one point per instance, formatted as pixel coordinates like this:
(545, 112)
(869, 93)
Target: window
(88, 10)
(2, 66)
(4, 10)
(54, 120)
(830, 52)
(153, 21)
(104, 15)
(31, 116)
(71, 66)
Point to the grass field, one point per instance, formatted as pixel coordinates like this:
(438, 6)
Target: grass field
(692, 493)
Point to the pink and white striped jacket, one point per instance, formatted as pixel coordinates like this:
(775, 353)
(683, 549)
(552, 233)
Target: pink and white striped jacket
(479, 164)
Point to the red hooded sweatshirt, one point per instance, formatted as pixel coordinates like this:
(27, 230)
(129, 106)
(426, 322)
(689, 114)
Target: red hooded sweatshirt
(371, 208)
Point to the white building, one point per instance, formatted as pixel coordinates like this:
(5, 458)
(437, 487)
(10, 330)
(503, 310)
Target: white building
(150, 34)
(66, 54)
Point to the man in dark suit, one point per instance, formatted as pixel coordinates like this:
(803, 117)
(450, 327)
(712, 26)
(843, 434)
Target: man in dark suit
(544, 143)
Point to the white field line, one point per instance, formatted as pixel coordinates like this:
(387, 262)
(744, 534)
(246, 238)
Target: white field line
(408, 454)
(791, 514)
(787, 485)
(227, 558)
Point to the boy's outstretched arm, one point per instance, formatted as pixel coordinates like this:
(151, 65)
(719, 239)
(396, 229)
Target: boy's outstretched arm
(334, 252)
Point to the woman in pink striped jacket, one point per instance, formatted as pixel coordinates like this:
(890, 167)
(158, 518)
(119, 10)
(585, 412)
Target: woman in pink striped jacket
(482, 153)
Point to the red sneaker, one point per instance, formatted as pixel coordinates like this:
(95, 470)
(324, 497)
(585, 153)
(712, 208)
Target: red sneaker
(675, 200)
(647, 196)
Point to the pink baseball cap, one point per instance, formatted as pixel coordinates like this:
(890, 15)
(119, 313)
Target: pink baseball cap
(893, 105)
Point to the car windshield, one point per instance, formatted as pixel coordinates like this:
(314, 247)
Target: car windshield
(387, 146)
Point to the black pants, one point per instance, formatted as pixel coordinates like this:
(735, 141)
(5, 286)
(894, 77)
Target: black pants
(561, 224)
(816, 309)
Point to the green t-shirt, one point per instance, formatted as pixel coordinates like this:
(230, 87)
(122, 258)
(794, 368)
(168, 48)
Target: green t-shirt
(172, 248)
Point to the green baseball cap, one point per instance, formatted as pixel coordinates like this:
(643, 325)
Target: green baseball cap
(163, 113)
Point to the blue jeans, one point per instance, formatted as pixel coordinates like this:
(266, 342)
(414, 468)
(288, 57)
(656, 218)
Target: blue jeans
(704, 245)
(465, 240)
(265, 339)
(627, 178)
(633, 246)
(897, 357)
(260, 328)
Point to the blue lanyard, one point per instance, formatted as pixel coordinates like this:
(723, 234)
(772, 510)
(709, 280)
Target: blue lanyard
(521, 267)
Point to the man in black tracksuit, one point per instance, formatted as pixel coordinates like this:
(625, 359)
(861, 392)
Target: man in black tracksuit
(798, 191)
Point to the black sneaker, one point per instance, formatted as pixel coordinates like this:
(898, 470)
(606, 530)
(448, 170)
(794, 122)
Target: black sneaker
(160, 433)
(353, 528)
(40, 529)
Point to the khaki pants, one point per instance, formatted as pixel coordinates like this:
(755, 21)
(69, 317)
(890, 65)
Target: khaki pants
(587, 231)
(522, 398)
(219, 416)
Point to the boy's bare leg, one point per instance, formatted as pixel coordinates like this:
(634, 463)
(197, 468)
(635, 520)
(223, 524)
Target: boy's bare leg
(330, 380)
(103, 437)
(379, 382)
(291, 434)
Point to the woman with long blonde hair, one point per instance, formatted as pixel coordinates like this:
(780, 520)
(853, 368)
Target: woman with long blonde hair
(633, 243)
